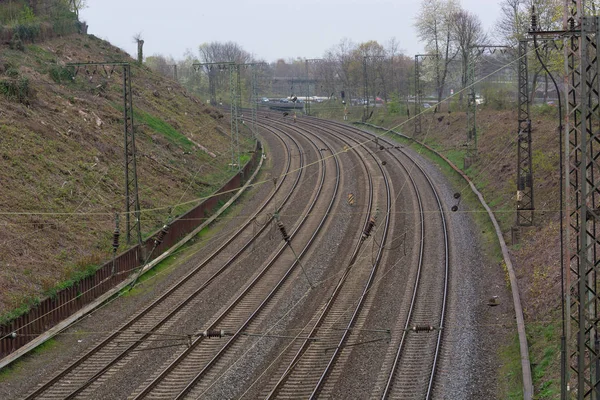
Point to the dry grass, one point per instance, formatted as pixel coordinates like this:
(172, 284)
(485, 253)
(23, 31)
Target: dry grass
(61, 157)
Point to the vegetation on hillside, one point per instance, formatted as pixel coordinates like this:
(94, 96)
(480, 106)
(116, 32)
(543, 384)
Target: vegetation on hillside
(27, 21)
(61, 148)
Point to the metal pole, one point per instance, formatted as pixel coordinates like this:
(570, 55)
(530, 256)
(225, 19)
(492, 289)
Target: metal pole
(525, 204)
(417, 115)
(239, 114)
(254, 100)
(306, 103)
(233, 112)
(133, 203)
(366, 91)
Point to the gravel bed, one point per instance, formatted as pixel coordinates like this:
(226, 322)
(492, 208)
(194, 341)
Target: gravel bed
(475, 331)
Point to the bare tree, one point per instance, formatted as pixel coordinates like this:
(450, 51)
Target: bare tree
(77, 5)
(467, 32)
(434, 27)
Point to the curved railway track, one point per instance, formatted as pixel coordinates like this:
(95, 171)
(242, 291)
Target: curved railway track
(314, 361)
(94, 364)
(310, 363)
(193, 371)
(411, 372)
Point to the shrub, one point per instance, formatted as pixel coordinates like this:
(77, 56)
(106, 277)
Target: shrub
(393, 105)
(61, 74)
(17, 90)
(28, 31)
(16, 43)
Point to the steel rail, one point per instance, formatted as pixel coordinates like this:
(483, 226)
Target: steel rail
(337, 290)
(127, 350)
(419, 268)
(190, 386)
(389, 384)
(174, 364)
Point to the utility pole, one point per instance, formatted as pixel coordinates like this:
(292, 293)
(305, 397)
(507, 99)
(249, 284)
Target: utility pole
(418, 93)
(175, 72)
(525, 204)
(366, 78)
(583, 197)
(307, 102)
(580, 367)
(132, 202)
(254, 99)
(471, 153)
(366, 90)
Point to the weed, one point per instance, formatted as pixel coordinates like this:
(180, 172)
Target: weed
(545, 355)
(16, 43)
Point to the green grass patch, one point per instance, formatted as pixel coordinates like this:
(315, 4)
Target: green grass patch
(171, 262)
(545, 358)
(509, 373)
(26, 304)
(159, 126)
(17, 366)
(162, 127)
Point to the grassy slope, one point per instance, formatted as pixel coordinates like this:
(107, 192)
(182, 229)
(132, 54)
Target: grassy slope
(61, 151)
(537, 257)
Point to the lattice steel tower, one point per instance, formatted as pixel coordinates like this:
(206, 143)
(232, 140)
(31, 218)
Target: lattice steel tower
(525, 204)
(582, 188)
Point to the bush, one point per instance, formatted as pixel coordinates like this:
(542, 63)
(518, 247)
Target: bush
(498, 98)
(16, 43)
(17, 90)
(393, 106)
(61, 74)
(29, 31)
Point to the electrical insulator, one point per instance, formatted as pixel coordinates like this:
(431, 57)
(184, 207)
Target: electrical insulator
(369, 228)
(284, 233)
(214, 333)
(115, 243)
(161, 235)
(422, 328)
(533, 19)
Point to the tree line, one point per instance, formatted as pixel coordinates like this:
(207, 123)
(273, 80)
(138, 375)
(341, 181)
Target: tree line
(452, 38)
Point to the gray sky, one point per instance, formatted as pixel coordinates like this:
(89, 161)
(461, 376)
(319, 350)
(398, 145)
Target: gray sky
(269, 29)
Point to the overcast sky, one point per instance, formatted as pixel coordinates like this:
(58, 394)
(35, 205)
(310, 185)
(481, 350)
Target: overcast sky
(269, 29)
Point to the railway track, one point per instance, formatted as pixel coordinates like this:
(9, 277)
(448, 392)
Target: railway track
(91, 368)
(309, 362)
(411, 361)
(192, 372)
(314, 360)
